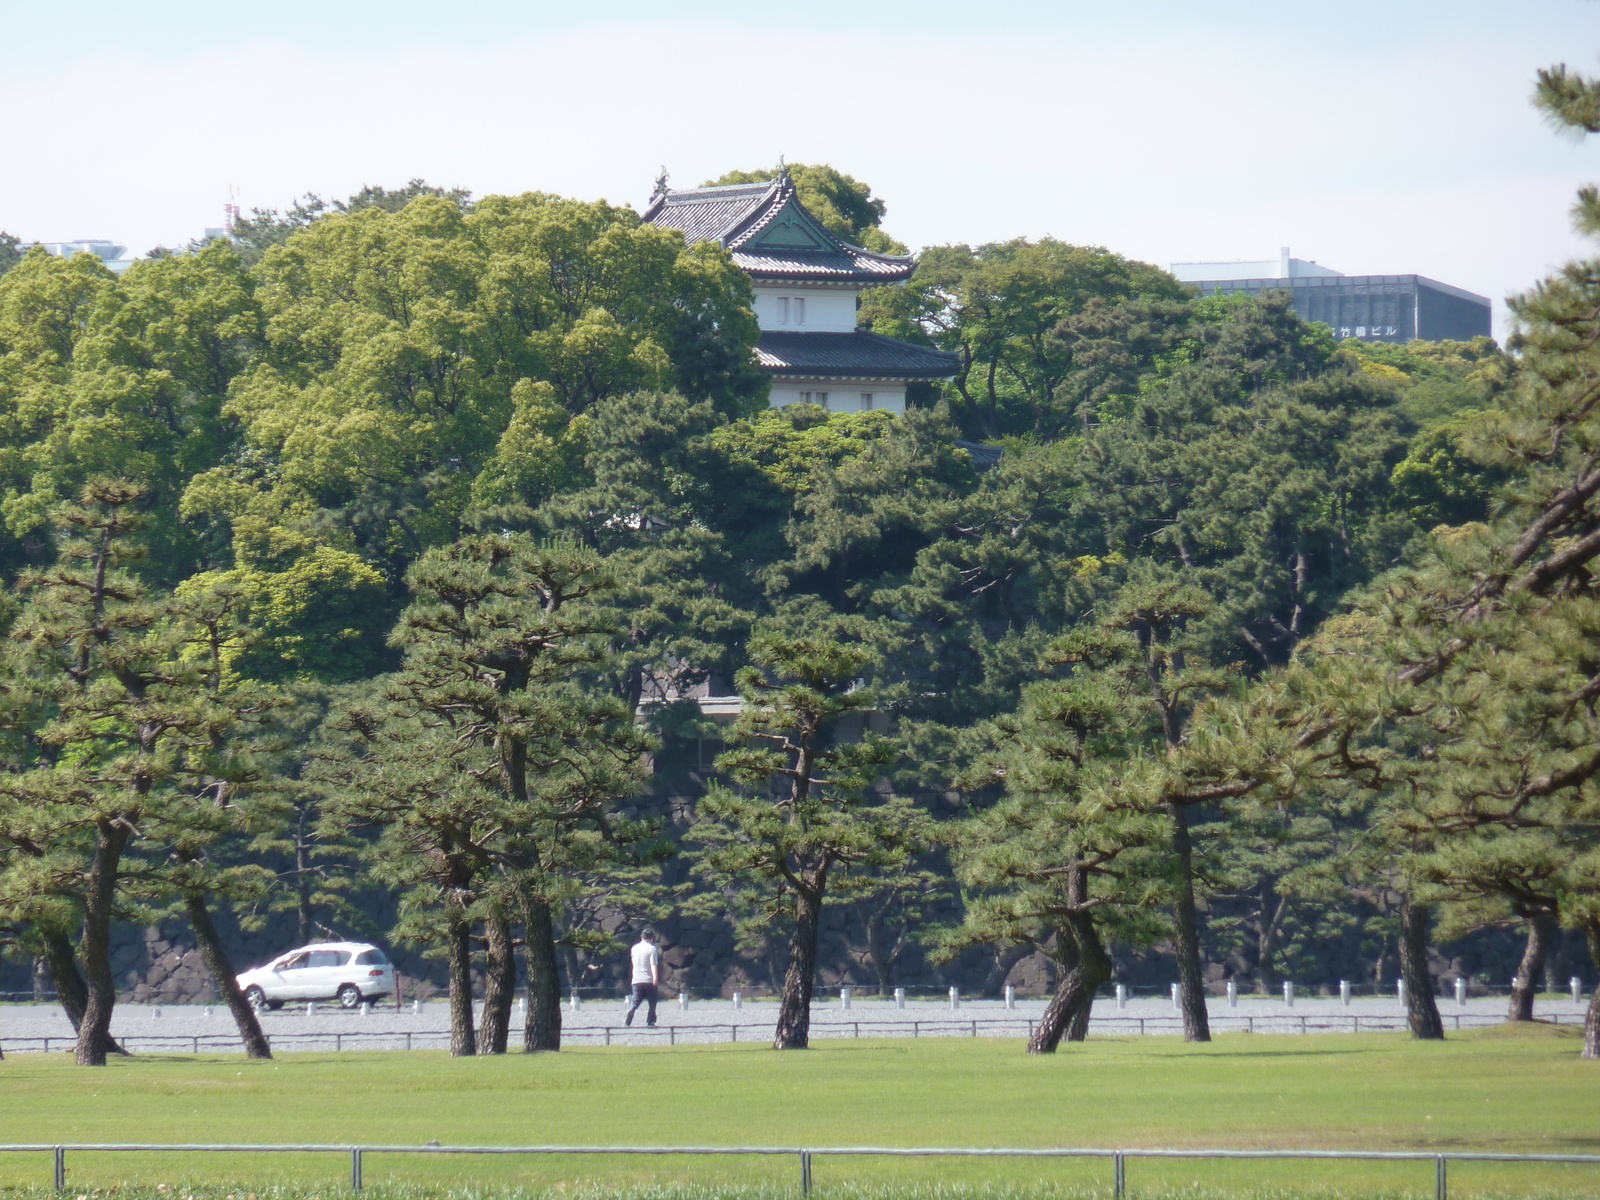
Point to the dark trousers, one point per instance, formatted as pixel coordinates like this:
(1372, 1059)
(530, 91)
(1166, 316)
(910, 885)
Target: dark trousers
(644, 993)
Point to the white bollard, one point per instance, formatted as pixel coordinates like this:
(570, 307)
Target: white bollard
(1344, 992)
(1577, 988)
(1461, 992)
(1288, 993)
(366, 1008)
(1175, 1005)
(206, 1014)
(1122, 996)
(1011, 996)
(899, 997)
(737, 1000)
(1400, 989)
(1233, 994)
(311, 1008)
(574, 1001)
(844, 999)
(955, 997)
(416, 1005)
(683, 1001)
(522, 1004)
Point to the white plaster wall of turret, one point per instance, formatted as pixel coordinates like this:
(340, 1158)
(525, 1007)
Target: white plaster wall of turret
(796, 308)
(840, 395)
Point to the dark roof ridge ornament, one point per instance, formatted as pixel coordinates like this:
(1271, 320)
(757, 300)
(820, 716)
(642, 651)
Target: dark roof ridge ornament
(785, 180)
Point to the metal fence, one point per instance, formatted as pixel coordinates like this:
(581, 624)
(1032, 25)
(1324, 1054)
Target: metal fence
(805, 1155)
(1109, 1026)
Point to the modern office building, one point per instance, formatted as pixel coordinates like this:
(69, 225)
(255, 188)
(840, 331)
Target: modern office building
(1373, 308)
(807, 282)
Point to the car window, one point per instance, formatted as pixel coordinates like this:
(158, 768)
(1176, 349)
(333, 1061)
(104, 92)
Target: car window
(371, 958)
(293, 963)
(327, 958)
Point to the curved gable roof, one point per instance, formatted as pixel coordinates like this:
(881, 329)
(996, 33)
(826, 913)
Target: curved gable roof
(770, 234)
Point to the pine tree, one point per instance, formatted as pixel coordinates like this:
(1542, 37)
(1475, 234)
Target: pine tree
(808, 823)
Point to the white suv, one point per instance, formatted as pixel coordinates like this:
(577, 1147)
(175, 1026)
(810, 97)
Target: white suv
(349, 972)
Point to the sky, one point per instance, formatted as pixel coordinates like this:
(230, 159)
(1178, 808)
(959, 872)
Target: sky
(1391, 137)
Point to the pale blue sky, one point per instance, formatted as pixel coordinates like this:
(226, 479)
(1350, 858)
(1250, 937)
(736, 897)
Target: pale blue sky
(1381, 137)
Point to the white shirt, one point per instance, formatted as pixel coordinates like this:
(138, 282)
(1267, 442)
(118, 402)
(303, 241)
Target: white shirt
(645, 956)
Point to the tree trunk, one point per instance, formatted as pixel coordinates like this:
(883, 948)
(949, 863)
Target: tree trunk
(1422, 1013)
(1067, 1014)
(1591, 1020)
(1186, 933)
(222, 973)
(500, 984)
(878, 953)
(462, 1042)
(794, 1007)
(1078, 1022)
(1541, 930)
(543, 1028)
(62, 964)
(101, 991)
(302, 874)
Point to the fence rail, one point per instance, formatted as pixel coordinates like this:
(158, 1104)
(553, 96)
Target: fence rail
(805, 1155)
(1112, 1026)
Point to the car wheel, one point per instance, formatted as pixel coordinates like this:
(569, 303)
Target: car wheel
(256, 997)
(349, 995)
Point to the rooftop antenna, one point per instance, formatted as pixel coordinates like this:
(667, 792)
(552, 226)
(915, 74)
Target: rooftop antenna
(230, 210)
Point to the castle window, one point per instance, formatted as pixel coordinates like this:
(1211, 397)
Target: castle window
(866, 401)
(799, 310)
(783, 310)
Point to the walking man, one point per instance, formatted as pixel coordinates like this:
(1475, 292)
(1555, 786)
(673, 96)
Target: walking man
(646, 976)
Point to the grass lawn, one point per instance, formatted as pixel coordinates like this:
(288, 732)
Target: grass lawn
(1496, 1089)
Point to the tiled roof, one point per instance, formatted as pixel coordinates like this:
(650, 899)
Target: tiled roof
(856, 355)
(770, 234)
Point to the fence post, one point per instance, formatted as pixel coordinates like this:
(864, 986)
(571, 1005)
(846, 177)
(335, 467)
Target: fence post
(1119, 1176)
(1441, 1184)
(355, 1169)
(61, 1168)
(672, 1035)
(805, 1172)
(735, 1029)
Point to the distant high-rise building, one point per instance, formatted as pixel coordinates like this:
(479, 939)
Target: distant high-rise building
(1373, 308)
(111, 254)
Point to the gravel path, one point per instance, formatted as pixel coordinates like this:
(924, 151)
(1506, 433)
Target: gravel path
(184, 1028)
